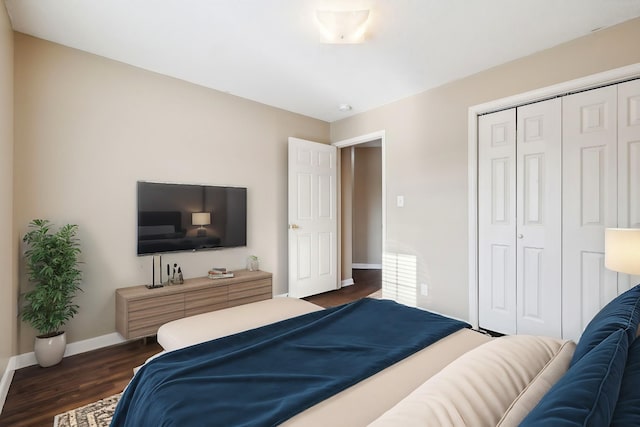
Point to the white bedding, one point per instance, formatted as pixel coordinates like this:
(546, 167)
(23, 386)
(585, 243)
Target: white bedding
(366, 401)
(215, 324)
(495, 384)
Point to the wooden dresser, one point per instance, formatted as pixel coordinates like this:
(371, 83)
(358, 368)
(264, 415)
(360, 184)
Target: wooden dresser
(141, 311)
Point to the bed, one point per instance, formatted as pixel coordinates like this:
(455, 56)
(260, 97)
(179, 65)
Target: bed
(463, 378)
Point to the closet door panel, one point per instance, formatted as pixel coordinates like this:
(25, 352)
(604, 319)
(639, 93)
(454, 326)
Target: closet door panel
(589, 144)
(539, 218)
(628, 165)
(497, 221)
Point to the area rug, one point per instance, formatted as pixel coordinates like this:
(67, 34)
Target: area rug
(96, 414)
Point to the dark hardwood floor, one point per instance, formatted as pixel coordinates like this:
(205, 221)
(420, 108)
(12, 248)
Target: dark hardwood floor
(366, 282)
(37, 394)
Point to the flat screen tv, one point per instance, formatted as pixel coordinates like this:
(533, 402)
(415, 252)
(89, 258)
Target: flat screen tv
(185, 217)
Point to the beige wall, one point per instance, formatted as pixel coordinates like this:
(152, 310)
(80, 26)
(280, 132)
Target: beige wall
(426, 153)
(87, 128)
(367, 206)
(8, 286)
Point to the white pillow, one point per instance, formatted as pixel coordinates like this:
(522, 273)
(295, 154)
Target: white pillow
(480, 386)
(533, 392)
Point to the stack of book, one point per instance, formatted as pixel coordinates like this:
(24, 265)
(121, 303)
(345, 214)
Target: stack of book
(219, 273)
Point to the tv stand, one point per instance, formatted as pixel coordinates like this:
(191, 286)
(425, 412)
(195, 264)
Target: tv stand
(141, 311)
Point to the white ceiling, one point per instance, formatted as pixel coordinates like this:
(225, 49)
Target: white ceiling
(270, 50)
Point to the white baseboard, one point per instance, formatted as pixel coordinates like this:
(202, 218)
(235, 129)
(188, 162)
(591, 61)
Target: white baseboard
(359, 266)
(347, 282)
(29, 359)
(23, 360)
(5, 382)
(94, 343)
(281, 295)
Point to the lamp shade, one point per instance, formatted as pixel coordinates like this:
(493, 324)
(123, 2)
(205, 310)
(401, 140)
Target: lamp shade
(622, 250)
(201, 218)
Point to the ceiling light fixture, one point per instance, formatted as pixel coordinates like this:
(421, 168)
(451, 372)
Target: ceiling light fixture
(345, 107)
(338, 26)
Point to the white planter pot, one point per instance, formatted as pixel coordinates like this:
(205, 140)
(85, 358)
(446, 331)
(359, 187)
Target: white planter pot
(49, 351)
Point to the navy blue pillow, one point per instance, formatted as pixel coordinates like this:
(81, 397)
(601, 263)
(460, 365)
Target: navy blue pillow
(586, 395)
(627, 411)
(623, 312)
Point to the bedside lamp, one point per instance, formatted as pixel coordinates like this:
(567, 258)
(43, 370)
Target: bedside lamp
(201, 219)
(622, 250)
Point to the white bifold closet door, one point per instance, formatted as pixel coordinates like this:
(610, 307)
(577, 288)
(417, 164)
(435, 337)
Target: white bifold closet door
(628, 165)
(519, 215)
(520, 222)
(590, 204)
(497, 221)
(539, 219)
(601, 176)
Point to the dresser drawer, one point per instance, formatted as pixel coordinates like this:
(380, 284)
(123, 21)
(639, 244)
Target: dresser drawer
(248, 289)
(248, 292)
(147, 307)
(205, 300)
(146, 326)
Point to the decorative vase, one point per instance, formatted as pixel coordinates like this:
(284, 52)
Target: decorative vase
(50, 350)
(253, 264)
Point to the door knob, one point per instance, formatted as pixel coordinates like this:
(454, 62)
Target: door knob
(294, 226)
(520, 236)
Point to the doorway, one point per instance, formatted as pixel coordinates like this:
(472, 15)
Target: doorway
(362, 205)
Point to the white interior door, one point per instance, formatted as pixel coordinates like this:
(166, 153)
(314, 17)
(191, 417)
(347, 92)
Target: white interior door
(628, 165)
(313, 224)
(539, 218)
(497, 221)
(589, 145)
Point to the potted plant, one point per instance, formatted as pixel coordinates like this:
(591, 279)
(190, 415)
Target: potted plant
(52, 266)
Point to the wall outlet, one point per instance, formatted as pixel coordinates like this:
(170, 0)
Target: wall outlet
(424, 289)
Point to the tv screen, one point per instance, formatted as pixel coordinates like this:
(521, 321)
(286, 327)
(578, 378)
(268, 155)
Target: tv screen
(184, 217)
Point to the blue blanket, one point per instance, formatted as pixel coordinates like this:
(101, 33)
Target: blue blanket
(264, 376)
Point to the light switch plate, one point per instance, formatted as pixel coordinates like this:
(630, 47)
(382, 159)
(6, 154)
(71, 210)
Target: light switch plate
(400, 201)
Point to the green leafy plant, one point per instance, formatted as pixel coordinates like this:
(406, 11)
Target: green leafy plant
(52, 265)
